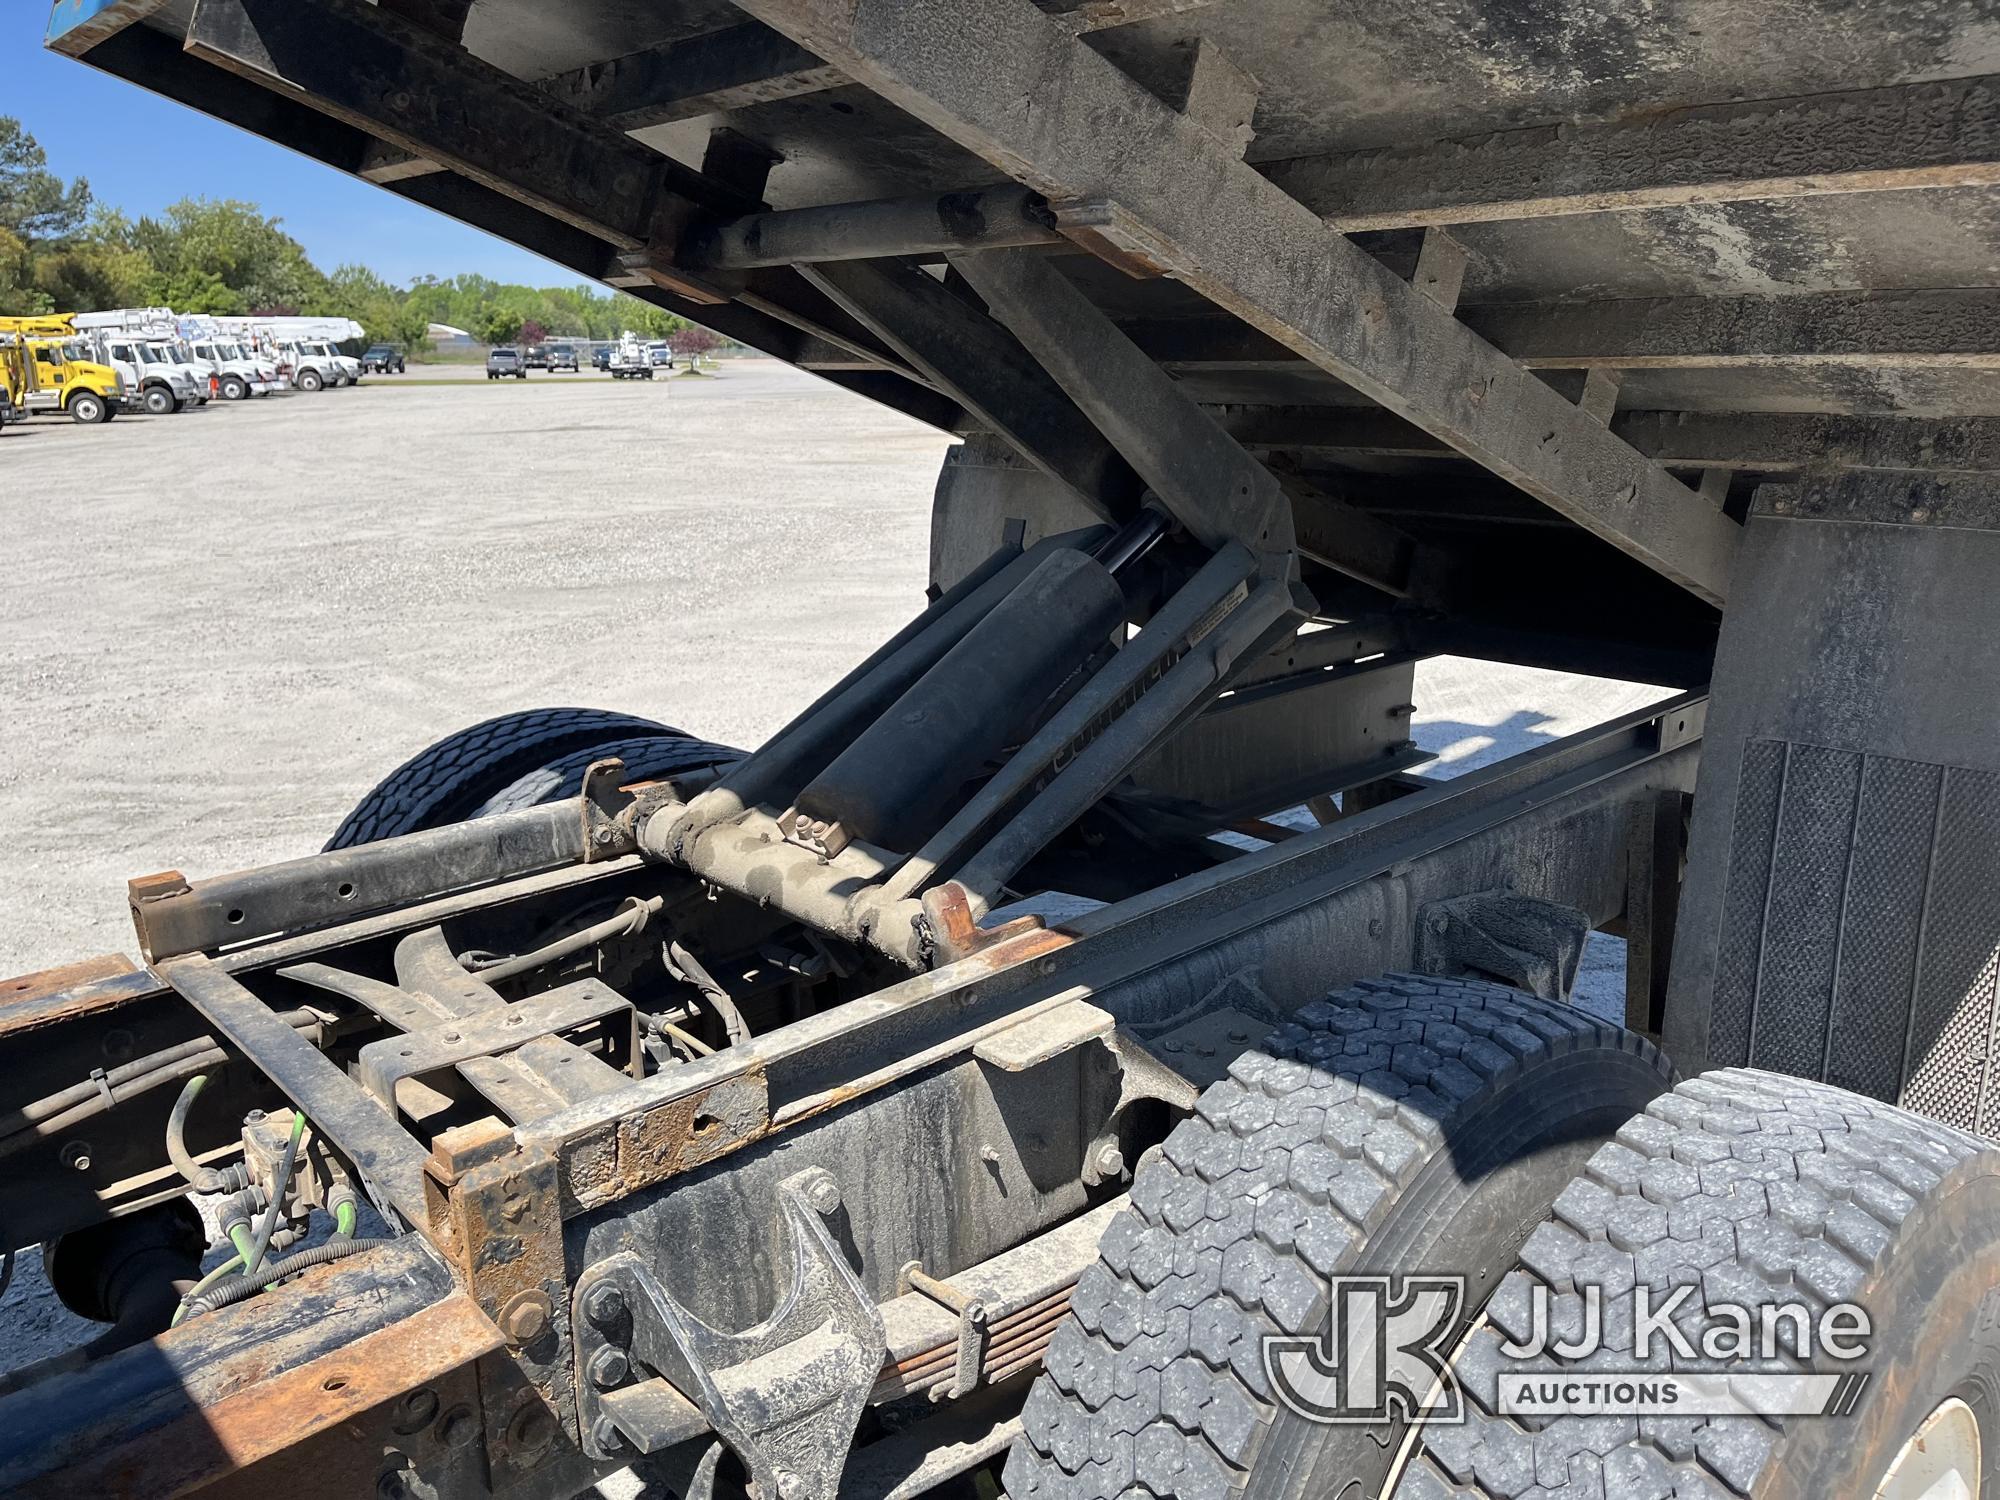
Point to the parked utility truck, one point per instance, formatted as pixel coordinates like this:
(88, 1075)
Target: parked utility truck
(142, 348)
(232, 372)
(48, 367)
(306, 349)
(630, 359)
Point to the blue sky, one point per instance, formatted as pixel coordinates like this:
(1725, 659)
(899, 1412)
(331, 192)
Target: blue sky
(141, 152)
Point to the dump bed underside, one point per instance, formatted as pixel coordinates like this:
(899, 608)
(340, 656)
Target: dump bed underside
(1770, 228)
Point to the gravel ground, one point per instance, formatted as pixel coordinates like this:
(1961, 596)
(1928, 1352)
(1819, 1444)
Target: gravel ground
(218, 629)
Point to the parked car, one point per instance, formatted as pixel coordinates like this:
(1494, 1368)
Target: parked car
(562, 357)
(505, 362)
(660, 355)
(537, 357)
(382, 359)
(601, 356)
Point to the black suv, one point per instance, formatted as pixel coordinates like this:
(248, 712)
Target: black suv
(381, 359)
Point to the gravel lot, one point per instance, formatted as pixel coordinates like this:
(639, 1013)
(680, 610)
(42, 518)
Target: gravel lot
(218, 629)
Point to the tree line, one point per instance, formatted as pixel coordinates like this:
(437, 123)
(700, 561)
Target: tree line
(62, 251)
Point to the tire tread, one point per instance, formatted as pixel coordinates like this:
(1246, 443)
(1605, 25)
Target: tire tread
(1155, 1384)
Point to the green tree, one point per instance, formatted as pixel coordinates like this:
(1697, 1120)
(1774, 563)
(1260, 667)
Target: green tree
(201, 242)
(409, 329)
(19, 295)
(91, 275)
(497, 325)
(34, 202)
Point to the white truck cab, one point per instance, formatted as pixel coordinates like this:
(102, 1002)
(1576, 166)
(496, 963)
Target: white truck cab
(313, 366)
(141, 344)
(349, 365)
(233, 376)
(158, 385)
(305, 349)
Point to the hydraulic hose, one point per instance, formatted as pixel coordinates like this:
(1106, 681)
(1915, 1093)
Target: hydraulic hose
(628, 921)
(60, 1111)
(283, 1180)
(202, 1179)
(236, 1290)
(240, 1242)
(687, 966)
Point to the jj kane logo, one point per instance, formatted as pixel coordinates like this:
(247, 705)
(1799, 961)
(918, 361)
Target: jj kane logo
(1386, 1349)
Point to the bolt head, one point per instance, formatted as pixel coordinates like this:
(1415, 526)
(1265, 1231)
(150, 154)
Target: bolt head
(416, 1410)
(1110, 1160)
(525, 1318)
(823, 1193)
(458, 1428)
(604, 1305)
(605, 1434)
(608, 1368)
(790, 1486)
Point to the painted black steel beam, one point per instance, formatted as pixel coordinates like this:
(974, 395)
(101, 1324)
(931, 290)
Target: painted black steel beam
(1767, 442)
(1924, 135)
(410, 88)
(721, 70)
(965, 354)
(750, 64)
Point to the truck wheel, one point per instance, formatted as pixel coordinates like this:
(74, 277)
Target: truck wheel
(1762, 1192)
(161, 402)
(458, 776)
(234, 388)
(647, 758)
(1403, 1125)
(309, 380)
(89, 408)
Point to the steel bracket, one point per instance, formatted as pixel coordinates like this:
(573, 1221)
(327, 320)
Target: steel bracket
(606, 809)
(786, 1394)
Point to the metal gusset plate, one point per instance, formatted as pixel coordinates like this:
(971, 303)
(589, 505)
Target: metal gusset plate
(786, 1395)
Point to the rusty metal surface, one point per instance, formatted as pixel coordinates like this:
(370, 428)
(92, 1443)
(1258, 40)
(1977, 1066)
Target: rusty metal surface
(274, 1415)
(24, 989)
(229, 1387)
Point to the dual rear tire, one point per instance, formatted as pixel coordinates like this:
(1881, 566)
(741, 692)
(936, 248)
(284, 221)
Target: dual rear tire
(1410, 1126)
(1404, 1125)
